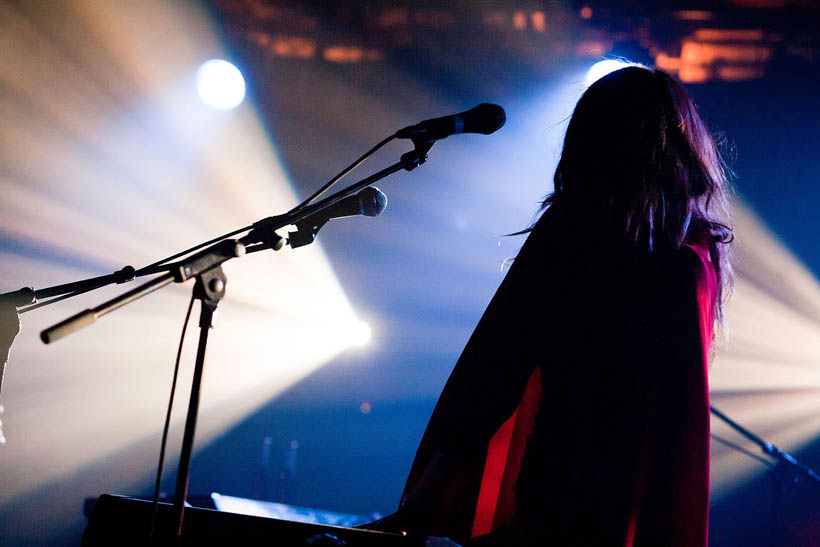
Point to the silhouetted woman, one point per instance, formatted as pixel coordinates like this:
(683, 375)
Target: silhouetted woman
(578, 413)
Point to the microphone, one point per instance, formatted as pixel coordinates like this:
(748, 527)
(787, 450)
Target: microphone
(485, 118)
(369, 202)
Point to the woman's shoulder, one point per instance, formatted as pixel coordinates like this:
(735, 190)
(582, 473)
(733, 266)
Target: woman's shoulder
(688, 259)
(553, 243)
(685, 272)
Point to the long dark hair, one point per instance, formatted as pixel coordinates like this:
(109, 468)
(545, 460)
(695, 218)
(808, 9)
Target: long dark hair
(638, 157)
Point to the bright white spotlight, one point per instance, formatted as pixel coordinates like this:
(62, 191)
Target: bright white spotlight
(220, 84)
(602, 68)
(359, 333)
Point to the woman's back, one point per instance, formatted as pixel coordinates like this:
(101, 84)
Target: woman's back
(621, 436)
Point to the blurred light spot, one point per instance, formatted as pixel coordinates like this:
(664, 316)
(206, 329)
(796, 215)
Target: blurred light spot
(692, 74)
(739, 73)
(220, 84)
(365, 407)
(694, 15)
(294, 444)
(729, 35)
(701, 61)
(601, 69)
(358, 333)
(593, 48)
(344, 54)
(539, 21)
(351, 54)
(295, 47)
(586, 12)
(393, 17)
(665, 62)
(704, 53)
(495, 19)
(519, 20)
(262, 11)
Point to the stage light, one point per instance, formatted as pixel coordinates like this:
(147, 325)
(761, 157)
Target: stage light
(220, 84)
(602, 68)
(359, 333)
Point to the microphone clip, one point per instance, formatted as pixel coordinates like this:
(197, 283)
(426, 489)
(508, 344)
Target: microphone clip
(264, 233)
(412, 159)
(305, 233)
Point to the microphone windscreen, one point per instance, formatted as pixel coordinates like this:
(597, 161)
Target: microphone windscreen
(485, 118)
(372, 201)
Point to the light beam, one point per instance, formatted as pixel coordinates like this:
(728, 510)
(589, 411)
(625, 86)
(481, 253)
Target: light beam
(109, 158)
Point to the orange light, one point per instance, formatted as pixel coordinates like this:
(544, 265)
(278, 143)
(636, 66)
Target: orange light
(293, 46)
(519, 20)
(694, 15)
(343, 54)
(697, 53)
(693, 53)
(728, 35)
(667, 63)
(393, 18)
(261, 39)
(586, 12)
(693, 74)
(739, 73)
(539, 21)
(263, 10)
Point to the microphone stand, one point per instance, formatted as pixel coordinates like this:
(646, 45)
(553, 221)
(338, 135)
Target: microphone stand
(794, 468)
(27, 299)
(209, 289)
(786, 469)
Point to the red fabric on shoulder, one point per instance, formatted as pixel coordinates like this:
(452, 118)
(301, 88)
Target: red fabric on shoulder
(496, 497)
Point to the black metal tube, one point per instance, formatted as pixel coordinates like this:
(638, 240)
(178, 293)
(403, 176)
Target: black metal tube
(181, 491)
(769, 449)
(87, 317)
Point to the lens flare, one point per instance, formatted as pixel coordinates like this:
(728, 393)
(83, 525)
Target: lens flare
(220, 84)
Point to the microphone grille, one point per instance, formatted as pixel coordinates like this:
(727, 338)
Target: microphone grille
(492, 117)
(372, 200)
